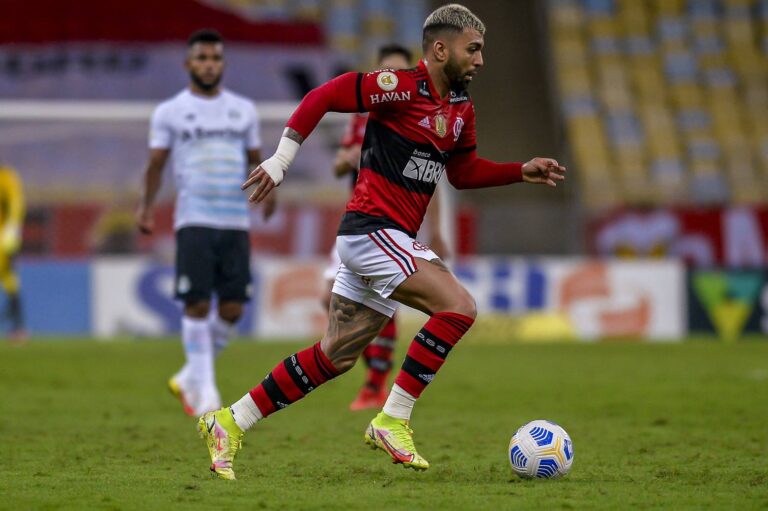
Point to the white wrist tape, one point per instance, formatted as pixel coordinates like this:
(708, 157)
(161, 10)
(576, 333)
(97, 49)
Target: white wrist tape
(278, 164)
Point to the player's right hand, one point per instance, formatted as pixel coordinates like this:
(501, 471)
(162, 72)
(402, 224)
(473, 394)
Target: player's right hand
(145, 220)
(263, 182)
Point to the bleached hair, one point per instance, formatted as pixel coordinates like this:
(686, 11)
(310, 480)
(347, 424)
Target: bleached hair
(454, 16)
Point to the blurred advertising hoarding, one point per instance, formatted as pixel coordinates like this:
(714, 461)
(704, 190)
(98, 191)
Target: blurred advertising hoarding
(584, 299)
(728, 303)
(732, 237)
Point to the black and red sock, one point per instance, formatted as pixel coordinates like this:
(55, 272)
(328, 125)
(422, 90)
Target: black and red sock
(429, 349)
(378, 357)
(292, 379)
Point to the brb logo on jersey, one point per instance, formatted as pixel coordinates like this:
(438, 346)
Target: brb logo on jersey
(421, 167)
(387, 81)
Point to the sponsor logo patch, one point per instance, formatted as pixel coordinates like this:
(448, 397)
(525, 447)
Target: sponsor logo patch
(424, 88)
(387, 80)
(424, 169)
(390, 96)
(458, 98)
(440, 125)
(424, 123)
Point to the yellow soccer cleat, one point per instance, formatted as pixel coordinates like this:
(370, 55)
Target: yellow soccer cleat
(224, 438)
(394, 437)
(178, 393)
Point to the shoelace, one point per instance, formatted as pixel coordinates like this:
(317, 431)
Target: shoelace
(405, 437)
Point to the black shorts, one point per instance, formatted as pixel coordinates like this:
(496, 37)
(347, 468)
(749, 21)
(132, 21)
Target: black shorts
(212, 260)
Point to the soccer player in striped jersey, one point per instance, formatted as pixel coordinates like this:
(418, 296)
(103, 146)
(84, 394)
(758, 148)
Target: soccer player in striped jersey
(379, 353)
(211, 135)
(421, 126)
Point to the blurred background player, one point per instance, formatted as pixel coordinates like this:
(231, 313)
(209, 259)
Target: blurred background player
(212, 136)
(377, 355)
(11, 220)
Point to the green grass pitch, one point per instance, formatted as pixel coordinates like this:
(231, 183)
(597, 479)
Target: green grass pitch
(88, 425)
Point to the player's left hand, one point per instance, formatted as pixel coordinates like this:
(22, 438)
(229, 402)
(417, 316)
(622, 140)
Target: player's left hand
(543, 171)
(263, 182)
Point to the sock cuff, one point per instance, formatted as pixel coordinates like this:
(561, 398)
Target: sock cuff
(323, 360)
(194, 322)
(221, 326)
(449, 325)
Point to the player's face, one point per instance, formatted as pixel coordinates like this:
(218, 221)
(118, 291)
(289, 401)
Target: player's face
(394, 61)
(205, 63)
(465, 57)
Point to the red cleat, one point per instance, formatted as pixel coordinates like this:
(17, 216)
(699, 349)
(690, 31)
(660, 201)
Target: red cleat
(369, 398)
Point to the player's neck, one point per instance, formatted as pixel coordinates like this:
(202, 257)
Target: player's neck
(439, 79)
(206, 93)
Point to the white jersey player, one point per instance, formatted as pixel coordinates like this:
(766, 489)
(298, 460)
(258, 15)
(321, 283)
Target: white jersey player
(211, 136)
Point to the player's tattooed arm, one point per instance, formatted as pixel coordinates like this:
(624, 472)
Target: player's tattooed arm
(293, 135)
(351, 327)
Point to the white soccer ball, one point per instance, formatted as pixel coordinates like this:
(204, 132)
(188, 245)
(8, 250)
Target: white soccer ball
(541, 449)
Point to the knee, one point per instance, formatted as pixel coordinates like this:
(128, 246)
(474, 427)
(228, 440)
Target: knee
(197, 310)
(460, 303)
(231, 312)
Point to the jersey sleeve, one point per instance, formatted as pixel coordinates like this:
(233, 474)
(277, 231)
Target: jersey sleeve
(253, 136)
(353, 92)
(468, 137)
(385, 90)
(466, 170)
(160, 132)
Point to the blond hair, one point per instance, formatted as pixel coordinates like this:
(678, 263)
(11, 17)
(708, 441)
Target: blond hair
(453, 16)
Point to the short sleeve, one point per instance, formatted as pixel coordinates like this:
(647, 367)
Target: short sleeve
(385, 90)
(160, 132)
(253, 136)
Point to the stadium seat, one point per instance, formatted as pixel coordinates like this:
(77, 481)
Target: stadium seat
(668, 93)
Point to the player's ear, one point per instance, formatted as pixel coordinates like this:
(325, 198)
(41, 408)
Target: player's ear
(440, 50)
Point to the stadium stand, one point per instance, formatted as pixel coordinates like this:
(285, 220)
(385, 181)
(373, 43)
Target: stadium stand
(664, 101)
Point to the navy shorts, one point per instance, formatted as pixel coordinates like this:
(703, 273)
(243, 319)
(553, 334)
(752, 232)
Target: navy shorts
(212, 260)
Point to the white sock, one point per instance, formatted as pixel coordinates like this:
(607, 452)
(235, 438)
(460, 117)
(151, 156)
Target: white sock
(198, 346)
(399, 403)
(182, 377)
(245, 412)
(221, 331)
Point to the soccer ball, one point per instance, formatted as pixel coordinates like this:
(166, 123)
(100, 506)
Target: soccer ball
(541, 449)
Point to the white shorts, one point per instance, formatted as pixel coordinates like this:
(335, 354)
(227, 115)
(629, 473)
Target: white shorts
(374, 265)
(333, 264)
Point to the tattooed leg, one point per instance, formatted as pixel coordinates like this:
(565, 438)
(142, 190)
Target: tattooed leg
(351, 327)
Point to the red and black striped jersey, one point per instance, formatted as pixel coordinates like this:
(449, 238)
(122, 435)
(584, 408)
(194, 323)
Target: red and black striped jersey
(410, 135)
(355, 131)
(354, 135)
(413, 137)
